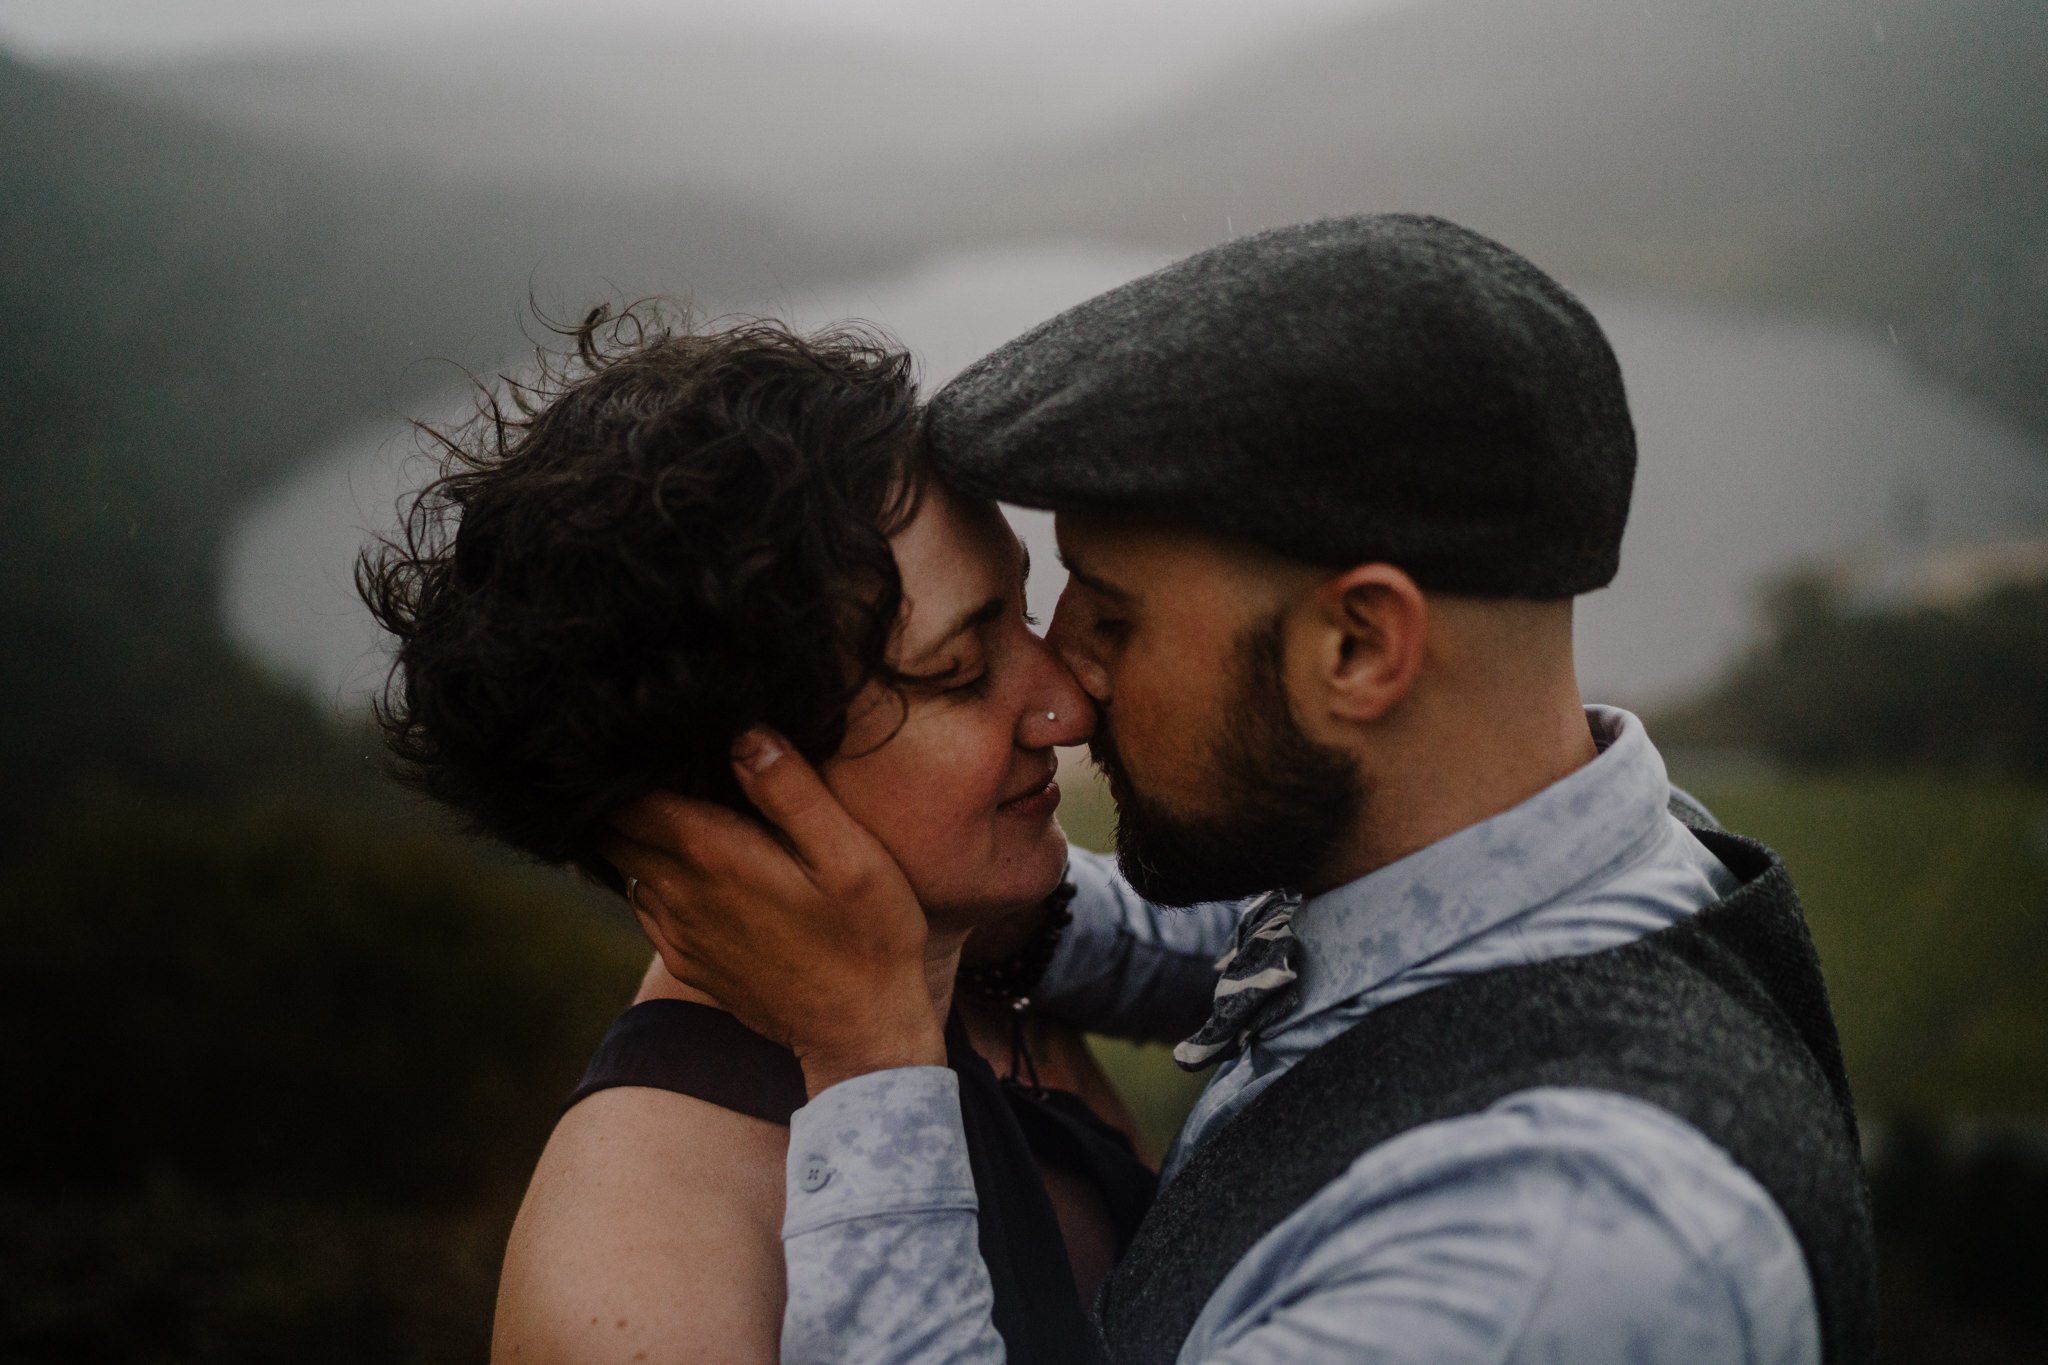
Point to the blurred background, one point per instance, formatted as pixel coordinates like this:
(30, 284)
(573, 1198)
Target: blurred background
(282, 1048)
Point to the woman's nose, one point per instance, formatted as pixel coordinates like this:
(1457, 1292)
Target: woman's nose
(1064, 716)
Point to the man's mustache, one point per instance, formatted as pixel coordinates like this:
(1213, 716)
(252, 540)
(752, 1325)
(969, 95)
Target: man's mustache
(1102, 749)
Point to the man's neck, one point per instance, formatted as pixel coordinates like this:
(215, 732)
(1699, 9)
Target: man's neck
(1449, 777)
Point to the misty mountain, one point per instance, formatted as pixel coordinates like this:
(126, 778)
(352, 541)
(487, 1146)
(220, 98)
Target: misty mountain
(1880, 160)
(232, 273)
(802, 117)
(192, 311)
(213, 271)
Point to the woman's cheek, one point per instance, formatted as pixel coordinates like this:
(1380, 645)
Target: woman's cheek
(929, 795)
(918, 797)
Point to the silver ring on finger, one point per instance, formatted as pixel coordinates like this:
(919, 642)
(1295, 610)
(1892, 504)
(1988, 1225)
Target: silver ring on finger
(632, 892)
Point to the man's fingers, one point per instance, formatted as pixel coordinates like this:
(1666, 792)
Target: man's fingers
(639, 865)
(658, 914)
(790, 795)
(674, 960)
(692, 830)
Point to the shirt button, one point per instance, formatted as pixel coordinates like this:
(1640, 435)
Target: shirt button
(814, 1175)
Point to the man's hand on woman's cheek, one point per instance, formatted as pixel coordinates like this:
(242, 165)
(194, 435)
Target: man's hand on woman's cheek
(813, 939)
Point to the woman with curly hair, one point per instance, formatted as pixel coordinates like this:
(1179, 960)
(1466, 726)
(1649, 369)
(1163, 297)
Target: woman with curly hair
(672, 539)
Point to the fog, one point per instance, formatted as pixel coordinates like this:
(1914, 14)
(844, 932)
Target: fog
(957, 173)
(1764, 445)
(1806, 227)
(1131, 42)
(994, 166)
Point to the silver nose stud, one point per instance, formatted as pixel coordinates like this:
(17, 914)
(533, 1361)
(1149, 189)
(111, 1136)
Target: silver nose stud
(1052, 715)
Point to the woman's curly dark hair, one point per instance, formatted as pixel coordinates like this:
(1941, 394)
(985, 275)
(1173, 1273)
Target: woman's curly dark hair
(667, 537)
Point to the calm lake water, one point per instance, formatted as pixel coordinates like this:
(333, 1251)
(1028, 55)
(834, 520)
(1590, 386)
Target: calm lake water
(1764, 443)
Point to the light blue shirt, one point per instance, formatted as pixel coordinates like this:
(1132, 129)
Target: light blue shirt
(1558, 1225)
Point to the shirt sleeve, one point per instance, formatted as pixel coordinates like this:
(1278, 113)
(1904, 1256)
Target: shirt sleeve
(1559, 1225)
(879, 1230)
(1129, 968)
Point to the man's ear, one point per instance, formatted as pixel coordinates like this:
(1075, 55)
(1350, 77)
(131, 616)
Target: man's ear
(1371, 626)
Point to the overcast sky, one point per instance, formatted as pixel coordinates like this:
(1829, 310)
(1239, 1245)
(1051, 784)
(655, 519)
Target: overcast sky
(1145, 34)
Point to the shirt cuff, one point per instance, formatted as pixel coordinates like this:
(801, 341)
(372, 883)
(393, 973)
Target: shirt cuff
(887, 1142)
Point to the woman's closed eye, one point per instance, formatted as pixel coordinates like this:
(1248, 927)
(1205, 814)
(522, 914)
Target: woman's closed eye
(967, 689)
(961, 680)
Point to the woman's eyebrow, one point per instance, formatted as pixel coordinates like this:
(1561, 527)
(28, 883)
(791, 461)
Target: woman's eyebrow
(973, 619)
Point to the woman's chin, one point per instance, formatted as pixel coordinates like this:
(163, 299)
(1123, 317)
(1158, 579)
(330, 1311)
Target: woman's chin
(1011, 888)
(1054, 853)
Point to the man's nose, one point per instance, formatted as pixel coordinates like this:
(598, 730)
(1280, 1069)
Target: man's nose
(1065, 636)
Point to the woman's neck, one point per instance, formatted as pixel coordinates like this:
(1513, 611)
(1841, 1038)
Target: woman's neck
(942, 966)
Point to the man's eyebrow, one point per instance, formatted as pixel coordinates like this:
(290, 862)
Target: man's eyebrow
(1090, 581)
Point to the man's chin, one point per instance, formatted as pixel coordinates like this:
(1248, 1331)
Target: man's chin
(1179, 892)
(1169, 863)
(1158, 889)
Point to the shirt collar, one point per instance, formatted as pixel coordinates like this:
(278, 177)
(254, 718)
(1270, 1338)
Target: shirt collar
(1359, 936)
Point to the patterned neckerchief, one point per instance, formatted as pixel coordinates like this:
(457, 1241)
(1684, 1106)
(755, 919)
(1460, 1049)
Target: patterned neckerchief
(1257, 981)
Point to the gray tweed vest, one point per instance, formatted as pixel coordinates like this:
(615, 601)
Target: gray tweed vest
(1721, 1020)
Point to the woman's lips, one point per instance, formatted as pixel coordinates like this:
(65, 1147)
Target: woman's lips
(1037, 803)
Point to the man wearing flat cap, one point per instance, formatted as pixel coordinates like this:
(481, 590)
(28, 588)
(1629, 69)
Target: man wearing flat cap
(1517, 1056)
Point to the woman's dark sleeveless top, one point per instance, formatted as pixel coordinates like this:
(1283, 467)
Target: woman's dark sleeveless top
(704, 1052)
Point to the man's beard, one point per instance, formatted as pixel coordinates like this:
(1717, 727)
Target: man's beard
(1290, 798)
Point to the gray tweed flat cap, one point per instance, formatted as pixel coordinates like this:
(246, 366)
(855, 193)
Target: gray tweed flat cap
(1378, 387)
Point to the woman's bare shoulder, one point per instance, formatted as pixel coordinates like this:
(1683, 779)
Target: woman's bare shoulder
(650, 1232)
